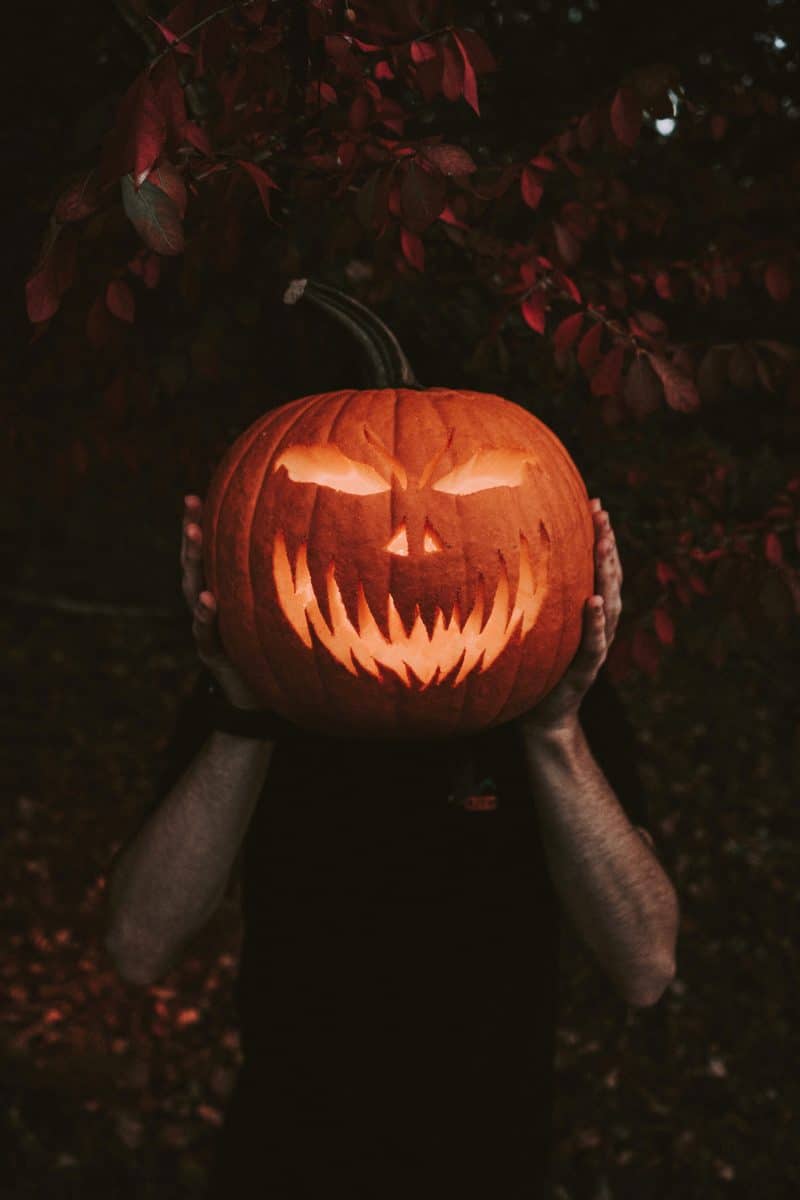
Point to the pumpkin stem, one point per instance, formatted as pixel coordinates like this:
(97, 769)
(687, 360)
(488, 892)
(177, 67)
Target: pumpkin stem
(389, 365)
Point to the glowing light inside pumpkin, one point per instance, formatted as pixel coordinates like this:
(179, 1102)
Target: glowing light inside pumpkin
(398, 544)
(431, 656)
(327, 466)
(486, 469)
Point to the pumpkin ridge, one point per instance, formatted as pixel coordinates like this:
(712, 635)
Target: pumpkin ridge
(449, 435)
(314, 511)
(257, 622)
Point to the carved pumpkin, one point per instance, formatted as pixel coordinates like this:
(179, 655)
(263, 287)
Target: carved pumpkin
(398, 562)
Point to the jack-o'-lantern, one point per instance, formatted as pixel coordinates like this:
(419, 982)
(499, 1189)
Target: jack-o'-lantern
(399, 561)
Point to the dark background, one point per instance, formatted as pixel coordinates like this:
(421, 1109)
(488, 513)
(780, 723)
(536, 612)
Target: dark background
(105, 1089)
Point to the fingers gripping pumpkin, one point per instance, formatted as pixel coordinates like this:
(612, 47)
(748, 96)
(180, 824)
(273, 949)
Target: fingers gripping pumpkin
(399, 561)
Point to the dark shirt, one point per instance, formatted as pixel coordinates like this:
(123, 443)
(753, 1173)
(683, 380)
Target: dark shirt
(397, 988)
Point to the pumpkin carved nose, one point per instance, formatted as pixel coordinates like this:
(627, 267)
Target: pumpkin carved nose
(398, 543)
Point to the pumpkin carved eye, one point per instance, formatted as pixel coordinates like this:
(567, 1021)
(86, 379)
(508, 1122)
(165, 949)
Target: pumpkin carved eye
(485, 469)
(328, 467)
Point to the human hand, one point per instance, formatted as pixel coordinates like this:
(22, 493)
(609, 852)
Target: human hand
(558, 712)
(203, 607)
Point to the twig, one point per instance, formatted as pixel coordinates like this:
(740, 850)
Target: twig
(194, 28)
(87, 608)
(140, 26)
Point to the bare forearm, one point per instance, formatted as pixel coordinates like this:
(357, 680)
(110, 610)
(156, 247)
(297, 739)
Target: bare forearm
(168, 881)
(613, 887)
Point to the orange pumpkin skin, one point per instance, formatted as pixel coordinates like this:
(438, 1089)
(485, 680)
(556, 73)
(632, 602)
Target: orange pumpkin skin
(350, 535)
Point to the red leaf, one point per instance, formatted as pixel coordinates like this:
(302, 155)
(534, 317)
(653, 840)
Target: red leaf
(413, 249)
(120, 301)
(741, 368)
(533, 310)
(393, 116)
(451, 160)
(531, 187)
(55, 274)
(315, 92)
(663, 285)
(197, 137)
(679, 390)
(782, 349)
(773, 551)
(167, 85)
(712, 374)
(261, 179)
(421, 52)
(428, 75)
(612, 410)
(778, 281)
(480, 55)
(470, 82)
(588, 130)
(394, 199)
(169, 179)
(41, 299)
(170, 37)
(360, 113)
(606, 379)
(449, 217)
(147, 267)
(578, 219)
(153, 215)
(649, 321)
(763, 371)
(665, 630)
(80, 199)
(567, 331)
(372, 201)
(589, 348)
(568, 246)
(139, 133)
(626, 116)
(642, 390)
(255, 14)
(422, 197)
(452, 73)
(568, 284)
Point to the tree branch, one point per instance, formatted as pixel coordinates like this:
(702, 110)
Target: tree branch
(140, 26)
(87, 608)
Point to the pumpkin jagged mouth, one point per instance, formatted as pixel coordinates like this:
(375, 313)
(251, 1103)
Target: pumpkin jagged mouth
(430, 656)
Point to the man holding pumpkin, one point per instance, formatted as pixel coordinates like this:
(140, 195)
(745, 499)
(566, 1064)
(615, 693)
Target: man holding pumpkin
(397, 988)
(401, 893)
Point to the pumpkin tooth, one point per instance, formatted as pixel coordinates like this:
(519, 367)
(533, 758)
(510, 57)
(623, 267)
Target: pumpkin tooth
(430, 656)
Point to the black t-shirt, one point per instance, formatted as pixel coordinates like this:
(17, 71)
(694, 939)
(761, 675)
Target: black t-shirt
(397, 989)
